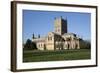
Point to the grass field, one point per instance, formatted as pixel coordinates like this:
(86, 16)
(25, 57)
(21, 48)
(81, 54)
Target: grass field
(37, 56)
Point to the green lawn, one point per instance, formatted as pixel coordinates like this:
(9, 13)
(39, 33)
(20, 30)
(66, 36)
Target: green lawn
(37, 56)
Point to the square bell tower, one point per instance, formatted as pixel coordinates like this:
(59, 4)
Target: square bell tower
(60, 25)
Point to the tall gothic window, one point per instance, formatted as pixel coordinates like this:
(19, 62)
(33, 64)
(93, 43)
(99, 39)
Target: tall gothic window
(49, 38)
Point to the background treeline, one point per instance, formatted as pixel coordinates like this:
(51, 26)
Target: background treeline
(86, 44)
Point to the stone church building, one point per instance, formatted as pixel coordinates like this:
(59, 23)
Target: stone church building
(59, 39)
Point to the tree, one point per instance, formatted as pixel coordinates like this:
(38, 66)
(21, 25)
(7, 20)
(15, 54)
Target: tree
(34, 47)
(29, 45)
(88, 44)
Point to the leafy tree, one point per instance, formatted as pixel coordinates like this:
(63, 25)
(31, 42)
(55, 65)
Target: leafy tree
(34, 47)
(29, 45)
(88, 44)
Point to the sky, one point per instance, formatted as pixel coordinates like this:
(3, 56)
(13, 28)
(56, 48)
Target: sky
(42, 22)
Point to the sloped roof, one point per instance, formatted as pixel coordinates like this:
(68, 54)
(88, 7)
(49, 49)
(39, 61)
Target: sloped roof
(69, 34)
(41, 39)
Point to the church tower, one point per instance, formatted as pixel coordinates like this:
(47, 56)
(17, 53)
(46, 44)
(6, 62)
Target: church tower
(60, 26)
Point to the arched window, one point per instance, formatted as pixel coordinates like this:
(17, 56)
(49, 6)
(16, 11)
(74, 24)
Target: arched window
(76, 46)
(41, 44)
(49, 38)
(68, 46)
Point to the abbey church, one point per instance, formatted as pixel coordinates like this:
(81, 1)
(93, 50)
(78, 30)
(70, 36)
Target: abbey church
(59, 39)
